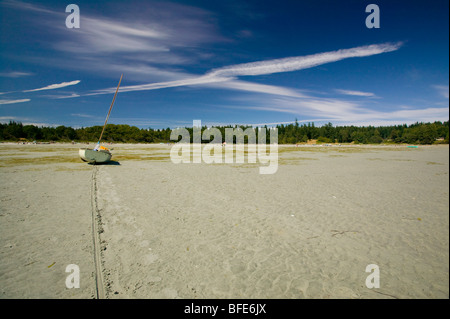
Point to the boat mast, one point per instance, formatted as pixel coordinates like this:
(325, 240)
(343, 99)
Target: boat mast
(110, 108)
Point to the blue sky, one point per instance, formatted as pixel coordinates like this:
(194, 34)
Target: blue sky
(224, 62)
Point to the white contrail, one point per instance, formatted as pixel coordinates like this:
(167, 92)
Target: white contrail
(54, 86)
(229, 73)
(302, 62)
(204, 79)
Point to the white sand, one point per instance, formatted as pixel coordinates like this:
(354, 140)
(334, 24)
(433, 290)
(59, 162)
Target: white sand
(223, 230)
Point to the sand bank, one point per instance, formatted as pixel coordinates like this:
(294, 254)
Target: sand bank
(224, 230)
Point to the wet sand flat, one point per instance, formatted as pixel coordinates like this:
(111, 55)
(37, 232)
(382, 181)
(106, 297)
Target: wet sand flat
(223, 230)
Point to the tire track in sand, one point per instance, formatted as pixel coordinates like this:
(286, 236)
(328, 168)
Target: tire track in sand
(96, 229)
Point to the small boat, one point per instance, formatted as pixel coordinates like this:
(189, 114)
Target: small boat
(99, 154)
(92, 156)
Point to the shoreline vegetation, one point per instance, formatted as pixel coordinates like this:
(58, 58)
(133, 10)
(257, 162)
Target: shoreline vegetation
(418, 133)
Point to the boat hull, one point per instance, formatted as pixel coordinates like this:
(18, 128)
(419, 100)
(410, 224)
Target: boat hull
(91, 156)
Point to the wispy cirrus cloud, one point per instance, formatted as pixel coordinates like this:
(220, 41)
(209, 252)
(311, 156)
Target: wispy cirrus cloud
(152, 40)
(61, 96)
(355, 93)
(162, 85)
(101, 35)
(312, 107)
(144, 44)
(97, 34)
(239, 85)
(13, 101)
(15, 74)
(25, 6)
(7, 118)
(443, 90)
(160, 28)
(81, 115)
(54, 86)
(226, 76)
(209, 81)
(341, 112)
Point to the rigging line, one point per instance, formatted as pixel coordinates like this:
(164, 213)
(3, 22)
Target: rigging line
(110, 108)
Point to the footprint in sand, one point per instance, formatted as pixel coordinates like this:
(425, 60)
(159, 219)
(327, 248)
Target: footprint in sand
(143, 243)
(170, 293)
(150, 258)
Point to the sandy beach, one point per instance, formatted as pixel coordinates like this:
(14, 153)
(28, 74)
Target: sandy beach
(200, 230)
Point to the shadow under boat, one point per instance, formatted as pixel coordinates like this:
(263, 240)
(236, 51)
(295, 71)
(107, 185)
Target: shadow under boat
(106, 163)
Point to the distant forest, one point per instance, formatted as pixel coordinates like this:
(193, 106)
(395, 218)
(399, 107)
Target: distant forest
(418, 133)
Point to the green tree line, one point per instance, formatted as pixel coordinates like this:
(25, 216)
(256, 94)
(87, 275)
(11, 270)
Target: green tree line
(15, 131)
(418, 133)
